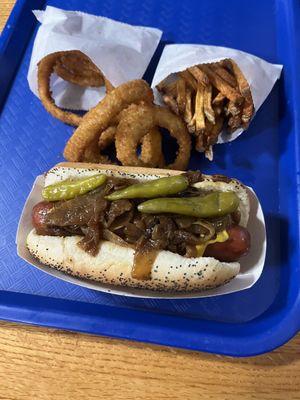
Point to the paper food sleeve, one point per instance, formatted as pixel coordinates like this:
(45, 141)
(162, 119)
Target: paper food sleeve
(260, 74)
(121, 51)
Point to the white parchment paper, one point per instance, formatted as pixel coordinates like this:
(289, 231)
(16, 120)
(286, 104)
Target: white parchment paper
(251, 265)
(260, 74)
(121, 51)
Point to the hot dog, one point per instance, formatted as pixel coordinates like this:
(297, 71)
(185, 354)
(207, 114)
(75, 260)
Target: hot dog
(39, 212)
(236, 246)
(154, 229)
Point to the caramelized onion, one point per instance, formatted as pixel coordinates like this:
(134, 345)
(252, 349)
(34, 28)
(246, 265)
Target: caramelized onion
(207, 230)
(114, 238)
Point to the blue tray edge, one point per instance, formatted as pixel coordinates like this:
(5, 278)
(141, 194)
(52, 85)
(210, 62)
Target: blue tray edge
(102, 320)
(13, 41)
(98, 324)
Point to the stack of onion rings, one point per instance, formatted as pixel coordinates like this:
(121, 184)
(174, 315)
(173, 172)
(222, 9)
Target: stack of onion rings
(126, 116)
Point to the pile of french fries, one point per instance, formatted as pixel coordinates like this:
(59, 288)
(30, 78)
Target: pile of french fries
(210, 98)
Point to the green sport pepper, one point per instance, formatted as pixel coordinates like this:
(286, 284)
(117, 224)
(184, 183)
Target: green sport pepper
(158, 187)
(69, 188)
(211, 205)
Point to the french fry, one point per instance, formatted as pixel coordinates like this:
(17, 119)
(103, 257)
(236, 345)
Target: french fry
(219, 99)
(199, 143)
(214, 131)
(247, 114)
(189, 79)
(199, 118)
(233, 109)
(191, 128)
(171, 103)
(161, 85)
(234, 123)
(188, 115)
(199, 75)
(208, 111)
(222, 85)
(226, 63)
(210, 137)
(168, 88)
(224, 74)
(243, 85)
(209, 154)
(181, 95)
(218, 109)
(171, 89)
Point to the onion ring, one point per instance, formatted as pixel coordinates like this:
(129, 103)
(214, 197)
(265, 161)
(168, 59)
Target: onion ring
(92, 154)
(136, 121)
(107, 137)
(100, 117)
(73, 66)
(151, 150)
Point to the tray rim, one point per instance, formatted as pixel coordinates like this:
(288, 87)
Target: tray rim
(261, 335)
(9, 35)
(165, 328)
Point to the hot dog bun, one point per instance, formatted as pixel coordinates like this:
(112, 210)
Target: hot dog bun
(113, 263)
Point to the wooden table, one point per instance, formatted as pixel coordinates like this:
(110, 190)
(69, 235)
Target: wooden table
(38, 363)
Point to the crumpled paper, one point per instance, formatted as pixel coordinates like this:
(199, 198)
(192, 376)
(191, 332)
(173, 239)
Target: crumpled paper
(121, 51)
(260, 74)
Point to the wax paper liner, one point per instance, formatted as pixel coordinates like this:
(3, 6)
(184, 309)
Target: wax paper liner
(121, 51)
(260, 74)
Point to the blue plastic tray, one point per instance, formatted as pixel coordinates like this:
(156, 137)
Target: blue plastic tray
(266, 158)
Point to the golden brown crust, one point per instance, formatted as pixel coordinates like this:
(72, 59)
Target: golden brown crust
(100, 117)
(151, 149)
(136, 121)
